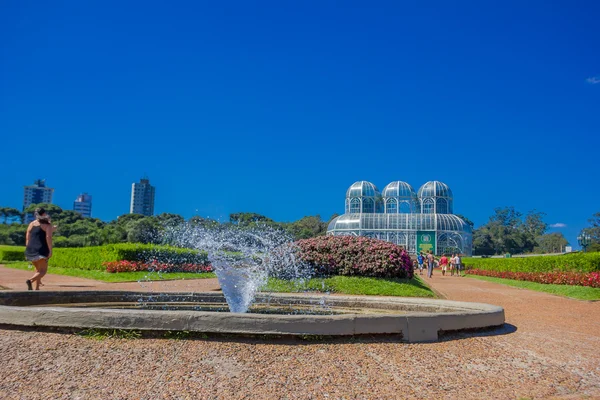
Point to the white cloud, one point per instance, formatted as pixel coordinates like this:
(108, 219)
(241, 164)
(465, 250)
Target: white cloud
(558, 225)
(593, 80)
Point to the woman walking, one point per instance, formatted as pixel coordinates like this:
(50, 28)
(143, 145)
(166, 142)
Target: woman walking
(38, 248)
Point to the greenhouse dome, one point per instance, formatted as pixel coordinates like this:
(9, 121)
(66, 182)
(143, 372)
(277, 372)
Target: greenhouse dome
(400, 197)
(395, 216)
(435, 196)
(364, 197)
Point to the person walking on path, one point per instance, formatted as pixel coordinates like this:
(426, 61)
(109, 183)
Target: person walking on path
(420, 260)
(452, 264)
(430, 263)
(457, 263)
(38, 246)
(444, 264)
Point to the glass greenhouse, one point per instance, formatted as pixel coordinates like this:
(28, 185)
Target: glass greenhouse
(419, 221)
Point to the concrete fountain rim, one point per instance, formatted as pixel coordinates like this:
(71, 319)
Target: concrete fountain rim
(22, 308)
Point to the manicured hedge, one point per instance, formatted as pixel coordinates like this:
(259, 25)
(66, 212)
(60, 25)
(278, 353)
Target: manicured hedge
(574, 262)
(352, 255)
(92, 258)
(12, 253)
(591, 279)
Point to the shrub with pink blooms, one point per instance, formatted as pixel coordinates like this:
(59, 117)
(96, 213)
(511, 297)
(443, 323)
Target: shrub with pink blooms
(591, 279)
(355, 256)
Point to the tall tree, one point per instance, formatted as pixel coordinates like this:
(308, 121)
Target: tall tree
(594, 229)
(553, 242)
(534, 223)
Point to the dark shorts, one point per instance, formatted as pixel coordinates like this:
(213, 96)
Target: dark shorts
(35, 258)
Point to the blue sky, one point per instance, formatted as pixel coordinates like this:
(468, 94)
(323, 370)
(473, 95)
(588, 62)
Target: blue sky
(277, 107)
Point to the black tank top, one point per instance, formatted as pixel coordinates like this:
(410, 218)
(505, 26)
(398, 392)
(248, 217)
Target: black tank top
(37, 245)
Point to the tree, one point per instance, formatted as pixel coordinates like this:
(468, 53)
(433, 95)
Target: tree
(482, 242)
(67, 217)
(507, 232)
(244, 219)
(594, 229)
(52, 209)
(125, 219)
(9, 214)
(167, 219)
(143, 230)
(534, 223)
(308, 227)
(467, 220)
(203, 222)
(553, 242)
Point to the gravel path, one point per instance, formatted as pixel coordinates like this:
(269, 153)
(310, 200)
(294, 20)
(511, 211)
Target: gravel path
(548, 349)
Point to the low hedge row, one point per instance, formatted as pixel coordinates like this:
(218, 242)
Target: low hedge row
(355, 255)
(92, 258)
(591, 279)
(573, 262)
(12, 253)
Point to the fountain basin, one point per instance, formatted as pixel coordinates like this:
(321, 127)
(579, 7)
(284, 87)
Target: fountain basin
(415, 319)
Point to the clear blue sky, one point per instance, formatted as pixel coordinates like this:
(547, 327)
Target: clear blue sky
(277, 107)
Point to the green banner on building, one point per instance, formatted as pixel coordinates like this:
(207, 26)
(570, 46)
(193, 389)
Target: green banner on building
(425, 241)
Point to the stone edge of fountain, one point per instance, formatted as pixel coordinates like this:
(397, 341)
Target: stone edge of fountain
(427, 317)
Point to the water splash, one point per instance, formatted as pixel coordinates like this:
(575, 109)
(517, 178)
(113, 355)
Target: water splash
(243, 257)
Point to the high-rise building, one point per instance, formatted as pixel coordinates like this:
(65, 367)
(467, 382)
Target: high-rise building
(142, 198)
(83, 205)
(35, 194)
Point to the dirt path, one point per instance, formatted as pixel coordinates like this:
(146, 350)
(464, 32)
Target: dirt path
(548, 349)
(14, 279)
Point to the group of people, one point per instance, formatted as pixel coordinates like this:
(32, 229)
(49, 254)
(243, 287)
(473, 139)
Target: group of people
(453, 263)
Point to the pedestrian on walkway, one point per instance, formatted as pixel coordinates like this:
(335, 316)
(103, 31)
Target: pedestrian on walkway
(457, 262)
(420, 260)
(444, 264)
(38, 246)
(430, 263)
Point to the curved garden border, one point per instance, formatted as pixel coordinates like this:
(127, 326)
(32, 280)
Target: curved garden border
(416, 319)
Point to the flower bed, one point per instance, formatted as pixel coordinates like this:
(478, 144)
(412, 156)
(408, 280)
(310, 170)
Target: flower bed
(355, 256)
(134, 266)
(591, 279)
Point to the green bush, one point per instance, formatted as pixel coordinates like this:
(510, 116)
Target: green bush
(573, 262)
(12, 253)
(91, 258)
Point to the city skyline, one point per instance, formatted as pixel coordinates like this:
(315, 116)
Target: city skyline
(278, 109)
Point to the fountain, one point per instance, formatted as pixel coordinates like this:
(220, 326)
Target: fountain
(243, 259)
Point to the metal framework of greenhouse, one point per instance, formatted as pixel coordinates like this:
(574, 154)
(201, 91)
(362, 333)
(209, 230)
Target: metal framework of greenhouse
(417, 221)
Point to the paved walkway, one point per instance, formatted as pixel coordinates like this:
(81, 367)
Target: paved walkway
(547, 349)
(14, 279)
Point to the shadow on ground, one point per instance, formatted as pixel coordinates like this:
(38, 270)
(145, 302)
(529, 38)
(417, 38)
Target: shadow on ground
(272, 339)
(504, 329)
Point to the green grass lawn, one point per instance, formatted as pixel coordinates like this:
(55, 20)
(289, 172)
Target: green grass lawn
(354, 285)
(114, 277)
(575, 292)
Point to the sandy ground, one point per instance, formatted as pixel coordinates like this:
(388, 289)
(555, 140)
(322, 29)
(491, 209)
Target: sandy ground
(547, 349)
